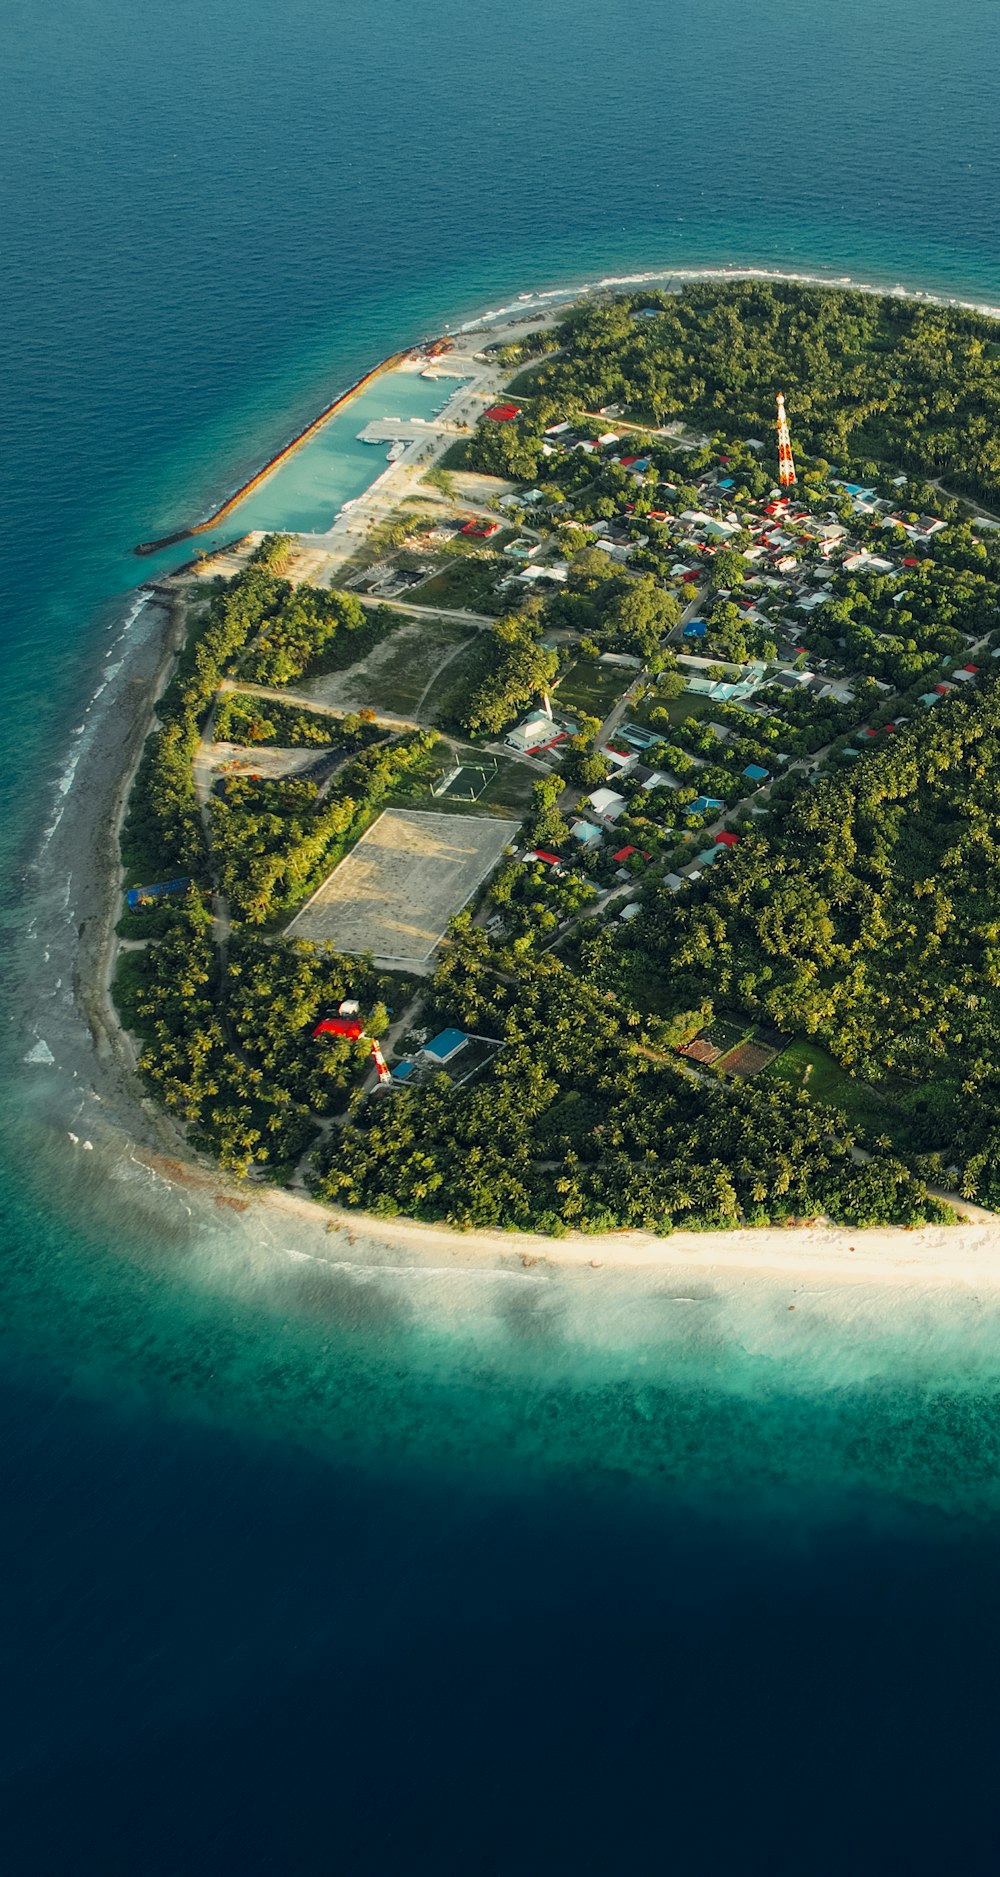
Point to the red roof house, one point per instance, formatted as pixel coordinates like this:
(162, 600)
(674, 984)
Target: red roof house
(727, 840)
(502, 413)
(351, 1028)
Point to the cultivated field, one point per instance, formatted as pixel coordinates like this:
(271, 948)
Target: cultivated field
(396, 891)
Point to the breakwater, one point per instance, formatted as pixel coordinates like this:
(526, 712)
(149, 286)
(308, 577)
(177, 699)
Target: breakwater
(239, 495)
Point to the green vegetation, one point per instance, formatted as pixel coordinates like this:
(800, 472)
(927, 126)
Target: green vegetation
(870, 379)
(272, 841)
(511, 669)
(231, 1051)
(592, 688)
(243, 718)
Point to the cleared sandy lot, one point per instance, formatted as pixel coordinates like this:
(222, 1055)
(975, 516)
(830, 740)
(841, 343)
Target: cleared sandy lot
(395, 892)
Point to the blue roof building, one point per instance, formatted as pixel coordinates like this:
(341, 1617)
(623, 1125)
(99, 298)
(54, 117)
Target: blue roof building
(403, 1071)
(695, 629)
(139, 895)
(702, 804)
(754, 773)
(445, 1045)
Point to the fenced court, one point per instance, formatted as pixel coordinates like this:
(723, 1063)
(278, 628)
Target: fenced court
(394, 894)
(468, 781)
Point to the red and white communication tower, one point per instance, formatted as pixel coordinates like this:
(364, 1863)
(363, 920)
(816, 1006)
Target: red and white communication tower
(786, 463)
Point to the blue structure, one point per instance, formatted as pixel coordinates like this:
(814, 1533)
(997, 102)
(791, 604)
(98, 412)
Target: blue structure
(702, 804)
(403, 1071)
(137, 895)
(695, 629)
(754, 773)
(639, 737)
(445, 1045)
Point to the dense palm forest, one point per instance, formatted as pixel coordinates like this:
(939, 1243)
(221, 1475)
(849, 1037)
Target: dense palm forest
(869, 377)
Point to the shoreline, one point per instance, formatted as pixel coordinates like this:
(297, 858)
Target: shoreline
(239, 495)
(964, 1253)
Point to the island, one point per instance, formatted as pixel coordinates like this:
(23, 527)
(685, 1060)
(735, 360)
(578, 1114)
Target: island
(599, 830)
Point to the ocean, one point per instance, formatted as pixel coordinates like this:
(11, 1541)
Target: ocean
(319, 1556)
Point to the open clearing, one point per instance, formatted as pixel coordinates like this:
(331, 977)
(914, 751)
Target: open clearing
(394, 894)
(393, 677)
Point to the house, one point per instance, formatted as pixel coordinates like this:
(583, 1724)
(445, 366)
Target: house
(403, 1071)
(585, 832)
(625, 853)
(674, 881)
(695, 629)
(630, 912)
(708, 858)
(606, 805)
(705, 804)
(622, 760)
(727, 840)
(523, 549)
(482, 530)
(351, 1029)
(864, 563)
(443, 1047)
(755, 774)
(556, 571)
(542, 854)
(502, 413)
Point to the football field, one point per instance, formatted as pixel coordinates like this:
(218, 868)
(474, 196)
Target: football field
(395, 892)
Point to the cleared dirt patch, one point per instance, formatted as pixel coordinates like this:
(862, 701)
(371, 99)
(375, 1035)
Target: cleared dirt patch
(395, 892)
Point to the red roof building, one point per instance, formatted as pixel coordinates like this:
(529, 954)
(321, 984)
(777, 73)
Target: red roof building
(502, 413)
(912, 560)
(484, 529)
(541, 853)
(727, 840)
(350, 1028)
(625, 853)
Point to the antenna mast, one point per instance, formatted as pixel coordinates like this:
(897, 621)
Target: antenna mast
(786, 464)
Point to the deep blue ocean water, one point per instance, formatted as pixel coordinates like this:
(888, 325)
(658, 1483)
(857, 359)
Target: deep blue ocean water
(309, 1567)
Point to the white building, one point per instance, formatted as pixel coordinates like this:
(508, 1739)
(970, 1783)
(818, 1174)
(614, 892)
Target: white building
(606, 805)
(531, 734)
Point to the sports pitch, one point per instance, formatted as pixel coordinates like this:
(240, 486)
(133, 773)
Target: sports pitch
(395, 892)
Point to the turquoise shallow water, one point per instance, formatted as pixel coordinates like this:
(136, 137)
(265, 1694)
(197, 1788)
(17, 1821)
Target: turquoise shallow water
(316, 1566)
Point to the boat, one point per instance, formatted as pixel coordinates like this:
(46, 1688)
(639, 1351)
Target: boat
(396, 450)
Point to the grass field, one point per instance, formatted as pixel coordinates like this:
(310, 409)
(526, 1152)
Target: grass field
(465, 582)
(592, 687)
(678, 709)
(804, 1065)
(396, 671)
(508, 794)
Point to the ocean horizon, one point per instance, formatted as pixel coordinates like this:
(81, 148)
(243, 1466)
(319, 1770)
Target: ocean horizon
(319, 1554)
